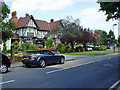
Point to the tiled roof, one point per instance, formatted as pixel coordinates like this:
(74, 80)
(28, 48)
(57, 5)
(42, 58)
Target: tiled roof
(53, 25)
(43, 25)
(22, 21)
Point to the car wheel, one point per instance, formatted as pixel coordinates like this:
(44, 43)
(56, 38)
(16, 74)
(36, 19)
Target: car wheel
(42, 63)
(62, 61)
(4, 68)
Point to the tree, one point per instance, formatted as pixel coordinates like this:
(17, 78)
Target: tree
(119, 39)
(111, 9)
(86, 36)
(112, 36)
(69, 32)
(6, 26)
(104, 35)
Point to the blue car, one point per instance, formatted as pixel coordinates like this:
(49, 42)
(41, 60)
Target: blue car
(44, 57)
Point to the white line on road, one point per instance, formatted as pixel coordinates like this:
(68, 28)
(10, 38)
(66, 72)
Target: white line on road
(109, 57)
(7, 82)
(114, 85)
(70, 67)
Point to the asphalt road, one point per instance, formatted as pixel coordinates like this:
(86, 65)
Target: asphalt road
(93, 72)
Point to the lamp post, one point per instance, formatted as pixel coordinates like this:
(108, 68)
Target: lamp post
(113, 40)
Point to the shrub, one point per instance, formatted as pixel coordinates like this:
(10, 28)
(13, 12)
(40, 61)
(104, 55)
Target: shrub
(68, 50)
(103, 47)
(79, 49)
(8, 51)
(49, 43)
(25, 44)
(118, 44)
(63, 49)
(59, 46)
(4, 49)
(32, 47)
(97, 48)
(16, 47)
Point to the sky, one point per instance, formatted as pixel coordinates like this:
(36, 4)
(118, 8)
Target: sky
(85, 10)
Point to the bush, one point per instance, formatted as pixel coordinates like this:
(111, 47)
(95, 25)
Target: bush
(25, 44)
(8, 51)
(68, 50)
(49, 43)
(4, 49)
(16, 47)
(118, 44)
(59, 46)
(103, 47)
(97, 48)
(63, 49)
(32, 47)
(79, 49)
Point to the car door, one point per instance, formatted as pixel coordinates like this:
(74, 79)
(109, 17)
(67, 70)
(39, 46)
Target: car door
(49, 57)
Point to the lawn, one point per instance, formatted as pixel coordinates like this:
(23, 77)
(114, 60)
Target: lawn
(93, 52)
(81, 53)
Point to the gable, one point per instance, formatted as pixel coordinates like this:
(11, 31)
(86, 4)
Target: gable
(31, 23)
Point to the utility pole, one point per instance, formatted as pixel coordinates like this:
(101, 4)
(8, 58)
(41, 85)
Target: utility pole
(114, 40)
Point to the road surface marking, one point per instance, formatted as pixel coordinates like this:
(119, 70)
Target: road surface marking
(7, 82)
(70, 67)
(114, 85)
(109, 57)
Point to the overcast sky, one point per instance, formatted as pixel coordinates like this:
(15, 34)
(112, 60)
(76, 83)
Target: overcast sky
(85, 10)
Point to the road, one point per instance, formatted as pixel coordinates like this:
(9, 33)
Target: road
(92, 72)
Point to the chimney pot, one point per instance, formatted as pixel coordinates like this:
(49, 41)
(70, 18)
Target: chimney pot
(27, 15)
(52, 20)
(14, 14)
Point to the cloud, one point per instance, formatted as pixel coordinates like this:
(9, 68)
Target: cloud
(92, 18)
(43, 5)
(96, 20)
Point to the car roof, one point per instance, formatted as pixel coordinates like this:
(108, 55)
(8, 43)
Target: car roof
(3, 54)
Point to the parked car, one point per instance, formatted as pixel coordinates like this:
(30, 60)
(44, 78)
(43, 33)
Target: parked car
(44, 57)
(4, 63)
(90, 47)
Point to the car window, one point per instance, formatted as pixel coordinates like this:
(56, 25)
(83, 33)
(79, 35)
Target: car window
(47, 52)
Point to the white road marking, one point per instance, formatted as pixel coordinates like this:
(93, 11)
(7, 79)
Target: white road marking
(7, 82)
(70, 67)
(114, 85)
(109, 57)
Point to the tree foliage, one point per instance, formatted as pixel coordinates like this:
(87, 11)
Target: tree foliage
(119, 39)
(111, 9)
(70, 31)
(5, 25)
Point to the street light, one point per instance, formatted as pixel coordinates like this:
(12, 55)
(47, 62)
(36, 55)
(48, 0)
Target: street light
(113, 27)
(113, 40)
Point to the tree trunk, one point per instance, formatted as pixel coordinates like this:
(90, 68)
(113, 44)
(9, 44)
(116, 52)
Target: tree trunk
(84, 46)
(72, 46)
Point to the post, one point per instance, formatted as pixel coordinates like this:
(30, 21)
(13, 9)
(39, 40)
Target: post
(12, 53)
(24, 50)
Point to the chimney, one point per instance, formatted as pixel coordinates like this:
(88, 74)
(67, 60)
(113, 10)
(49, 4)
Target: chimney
(14, 14)
(27, 15)
(52, 20)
